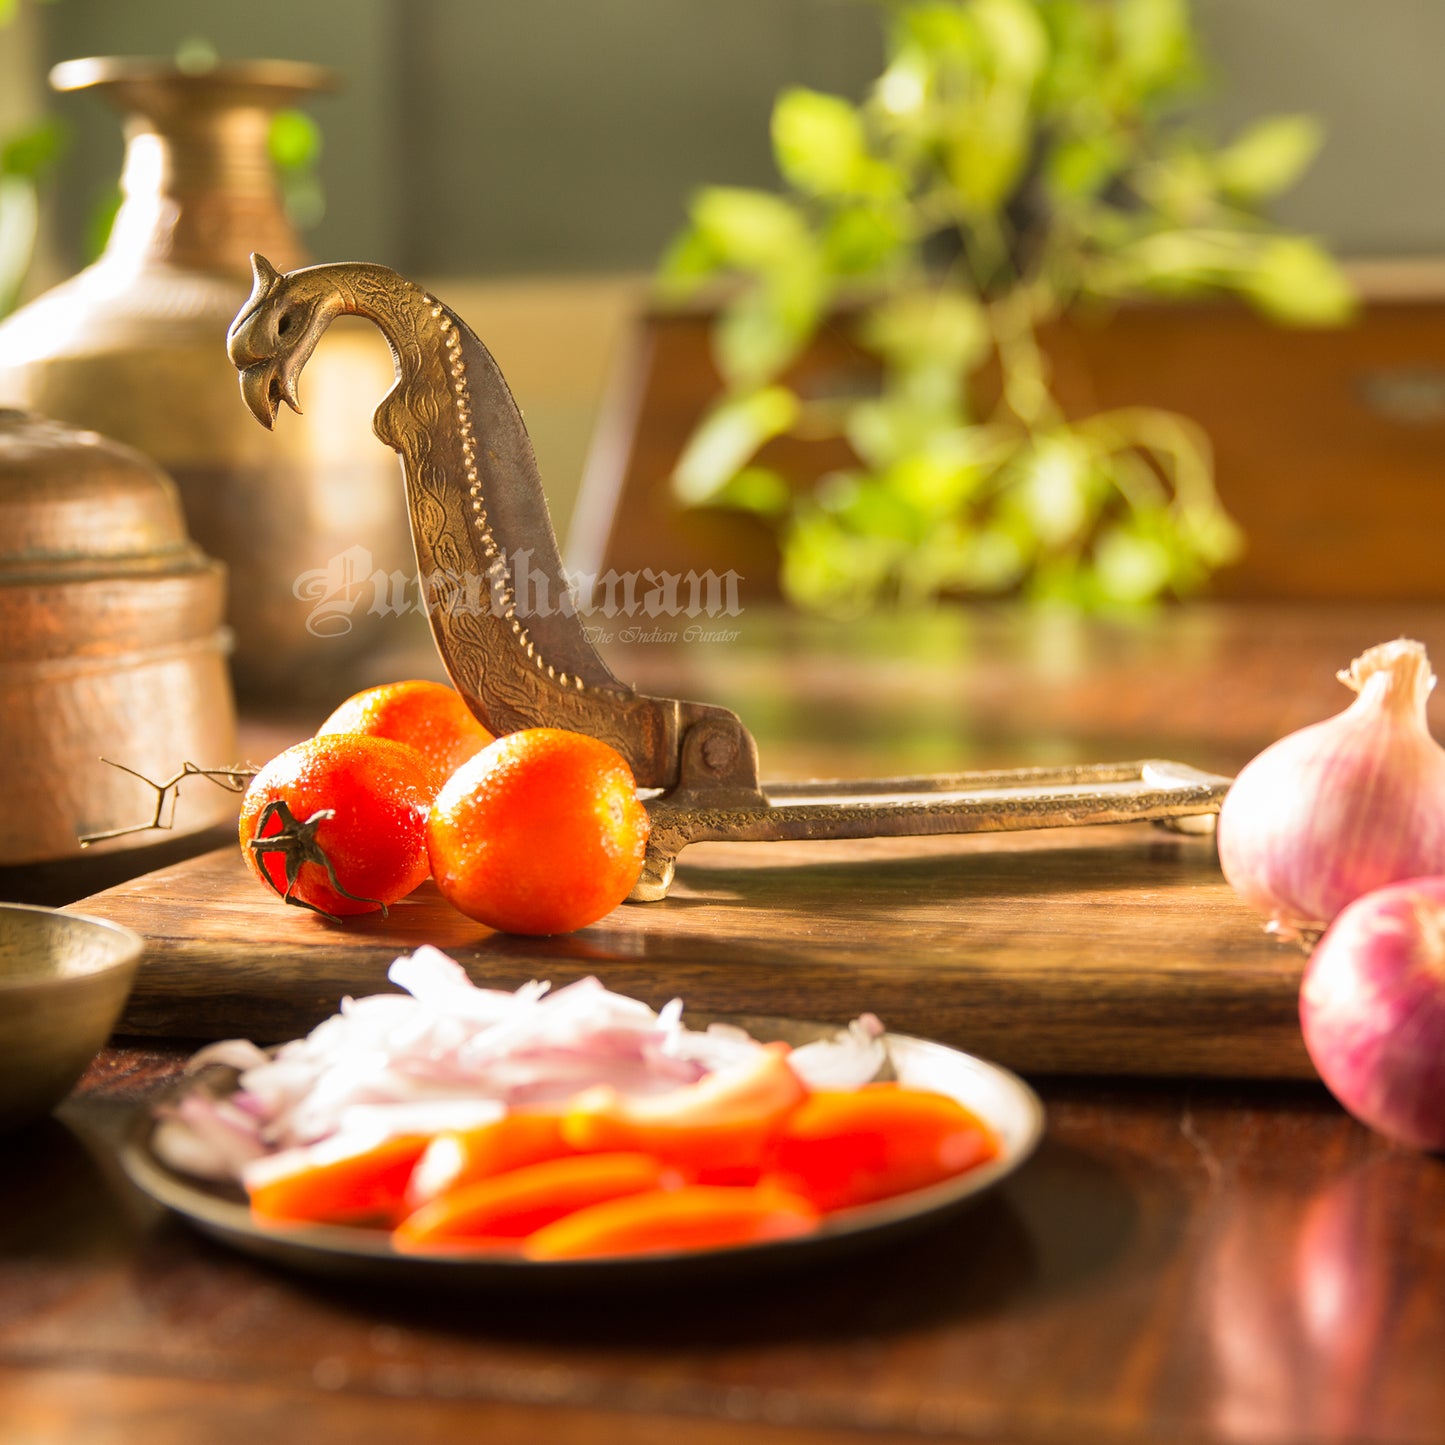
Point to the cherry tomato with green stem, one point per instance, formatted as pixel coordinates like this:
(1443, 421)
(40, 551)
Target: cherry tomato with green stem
(337, 824)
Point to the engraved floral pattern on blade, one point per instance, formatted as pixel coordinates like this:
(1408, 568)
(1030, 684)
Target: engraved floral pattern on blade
(512, 675)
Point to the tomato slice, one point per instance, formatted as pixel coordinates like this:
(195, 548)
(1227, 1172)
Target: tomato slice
(840, 1149)
(699, 1216)
(502, 1210)
(462, 1156)
(714, 1131)
(335, 1182)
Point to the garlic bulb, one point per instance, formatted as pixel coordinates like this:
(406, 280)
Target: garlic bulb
(1344, 806)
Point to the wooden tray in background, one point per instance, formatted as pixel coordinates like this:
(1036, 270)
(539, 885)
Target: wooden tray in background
(1108, 950)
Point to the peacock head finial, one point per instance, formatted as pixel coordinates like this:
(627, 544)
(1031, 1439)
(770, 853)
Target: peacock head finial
(265, 278)
(273, 336)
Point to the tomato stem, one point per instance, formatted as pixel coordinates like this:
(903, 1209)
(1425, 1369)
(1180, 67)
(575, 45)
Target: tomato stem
(296, 842)
(233, 780)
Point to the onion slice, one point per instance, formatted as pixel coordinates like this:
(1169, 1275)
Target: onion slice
(446, 1054)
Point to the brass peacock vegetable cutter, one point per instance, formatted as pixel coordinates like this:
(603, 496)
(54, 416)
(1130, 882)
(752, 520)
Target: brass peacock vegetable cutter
(476, 501)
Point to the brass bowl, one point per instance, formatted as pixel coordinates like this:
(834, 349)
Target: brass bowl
(64, 979)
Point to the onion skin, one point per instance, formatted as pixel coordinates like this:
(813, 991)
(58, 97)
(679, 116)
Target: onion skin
(1372, 1008)
(1342, 807)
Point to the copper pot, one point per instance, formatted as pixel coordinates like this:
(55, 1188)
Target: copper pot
(111, 644)
(134, 346)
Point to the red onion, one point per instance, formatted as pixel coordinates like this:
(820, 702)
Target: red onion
(1344, 806)
(1372, 1007)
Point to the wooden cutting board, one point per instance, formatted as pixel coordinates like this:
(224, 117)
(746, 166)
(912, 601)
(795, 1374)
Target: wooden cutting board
(1110, 950)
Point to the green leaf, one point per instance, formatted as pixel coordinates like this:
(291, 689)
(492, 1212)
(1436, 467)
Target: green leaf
(1084, 165)
(728, 438)
(1297, 283)
(756, 489)
(992, 560)
(1078, 34)
(830, 569)
(1180, 186)
(883, 430)
(1130, 566)
(305, 199)
(1211, 535)
(986, 149)
(1014, 37)
(33, 151)
(902, 91)
(870, 508)
(909, 419)
(294, 140)
(934, 483)
(101, 220)
(764, 330)
(862, 240)
(819, 143)
(196, 55)
(1179, 262)
(754, 340)
(19, 215)
(751, 230)
(1156, 44)
(945, 326)
(688, 260)
(1269, 157)
(1062, 586)
(1051, 490)
(959, 558)
(939, 30)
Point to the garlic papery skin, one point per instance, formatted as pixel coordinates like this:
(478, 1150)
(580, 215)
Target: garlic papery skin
(1345, 806)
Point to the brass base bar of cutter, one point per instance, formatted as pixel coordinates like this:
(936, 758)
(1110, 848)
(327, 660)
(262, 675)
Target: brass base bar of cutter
(977, 802)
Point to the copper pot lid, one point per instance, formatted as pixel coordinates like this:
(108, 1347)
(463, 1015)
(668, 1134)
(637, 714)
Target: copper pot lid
(72, 501)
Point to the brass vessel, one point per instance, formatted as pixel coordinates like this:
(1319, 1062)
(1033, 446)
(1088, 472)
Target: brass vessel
(64, 979)
(111, 644)
(134, 347)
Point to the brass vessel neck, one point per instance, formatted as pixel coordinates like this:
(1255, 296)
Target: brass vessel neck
(199, 188)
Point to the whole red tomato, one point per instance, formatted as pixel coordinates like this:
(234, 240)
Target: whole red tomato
(542, 832)
(337, 824)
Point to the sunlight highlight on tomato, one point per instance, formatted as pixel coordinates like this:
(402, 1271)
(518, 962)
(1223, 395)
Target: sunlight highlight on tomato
(337, 824)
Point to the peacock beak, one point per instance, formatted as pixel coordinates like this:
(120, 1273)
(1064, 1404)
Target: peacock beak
(266, 384)
(261, 391)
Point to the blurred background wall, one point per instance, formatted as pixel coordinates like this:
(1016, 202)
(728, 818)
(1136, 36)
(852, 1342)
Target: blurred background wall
(509, 137)
(531, 158)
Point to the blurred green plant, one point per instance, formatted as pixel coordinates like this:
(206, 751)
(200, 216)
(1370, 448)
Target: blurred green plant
(25, 158)
(1014, 159)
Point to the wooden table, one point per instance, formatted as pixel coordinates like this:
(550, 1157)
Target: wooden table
(1184, 1260)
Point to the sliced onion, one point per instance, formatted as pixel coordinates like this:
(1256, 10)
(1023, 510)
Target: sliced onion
(447, 1054)
(847, 1061)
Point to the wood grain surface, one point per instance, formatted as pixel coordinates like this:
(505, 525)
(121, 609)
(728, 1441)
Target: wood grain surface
(1187, 1261)
(1115, 950)
(1223, 1263)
